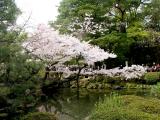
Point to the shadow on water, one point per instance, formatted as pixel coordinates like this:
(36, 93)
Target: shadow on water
(66, 106)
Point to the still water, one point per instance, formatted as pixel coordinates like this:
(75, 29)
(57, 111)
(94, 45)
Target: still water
(66, 104)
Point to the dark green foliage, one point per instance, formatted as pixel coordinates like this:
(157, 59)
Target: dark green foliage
(15, 64)
(22, 99)
(112, 13)
(118, 43)
(19, 72)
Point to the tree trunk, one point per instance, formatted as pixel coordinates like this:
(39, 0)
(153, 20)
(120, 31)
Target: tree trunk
(77, 81)
(122, 27)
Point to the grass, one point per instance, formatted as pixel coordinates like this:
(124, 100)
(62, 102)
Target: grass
(127, 107)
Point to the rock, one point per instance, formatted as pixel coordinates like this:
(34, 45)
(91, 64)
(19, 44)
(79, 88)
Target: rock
(117, 87)
(39, 116)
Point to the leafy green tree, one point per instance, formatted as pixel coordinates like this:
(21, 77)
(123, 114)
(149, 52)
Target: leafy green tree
(18, 70)
(105, 16)
(114, 25)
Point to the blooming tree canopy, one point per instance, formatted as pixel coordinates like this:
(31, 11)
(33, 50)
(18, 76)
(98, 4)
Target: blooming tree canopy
(48, 44)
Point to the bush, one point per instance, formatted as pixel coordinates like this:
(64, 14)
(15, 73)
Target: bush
(127, 108)
(22, 98)
(152, 77)
(107, 79)
(39, 116)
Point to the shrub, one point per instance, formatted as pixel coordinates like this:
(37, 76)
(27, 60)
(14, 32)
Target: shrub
(152, 77)
(20, 89)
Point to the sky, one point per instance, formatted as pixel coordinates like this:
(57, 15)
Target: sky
(40, 11)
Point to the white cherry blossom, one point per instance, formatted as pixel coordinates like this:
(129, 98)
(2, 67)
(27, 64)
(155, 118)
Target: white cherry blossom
(48, 44)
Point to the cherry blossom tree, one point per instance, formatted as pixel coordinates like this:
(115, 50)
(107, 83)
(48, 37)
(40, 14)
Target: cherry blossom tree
(47, 44)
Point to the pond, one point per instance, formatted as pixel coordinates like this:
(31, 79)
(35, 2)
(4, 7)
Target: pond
(67, 106)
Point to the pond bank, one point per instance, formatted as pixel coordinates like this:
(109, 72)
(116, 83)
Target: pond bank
(67, 107)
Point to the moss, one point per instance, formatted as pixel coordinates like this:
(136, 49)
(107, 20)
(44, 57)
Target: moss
(39, 116)
(127, 107)
(123, 114)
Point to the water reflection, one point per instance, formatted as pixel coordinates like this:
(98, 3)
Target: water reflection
(66, 106)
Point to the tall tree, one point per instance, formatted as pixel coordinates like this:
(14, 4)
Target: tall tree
(48, 45)
(97, 17)
(114, 25)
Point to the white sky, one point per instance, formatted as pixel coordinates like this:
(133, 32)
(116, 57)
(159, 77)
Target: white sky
(41, 11)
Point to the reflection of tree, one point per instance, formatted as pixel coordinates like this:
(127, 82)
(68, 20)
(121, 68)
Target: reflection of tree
(55, 105)
(65, 103)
